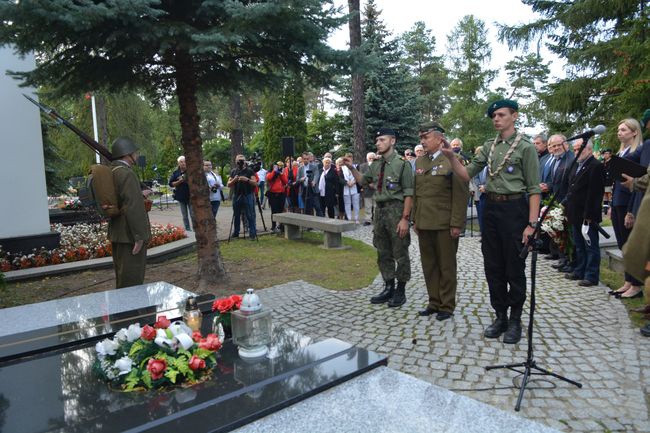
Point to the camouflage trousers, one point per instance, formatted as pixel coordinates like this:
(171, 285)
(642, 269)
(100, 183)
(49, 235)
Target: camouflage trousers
(392, 251)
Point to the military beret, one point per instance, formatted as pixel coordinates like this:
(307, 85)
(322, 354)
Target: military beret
(645, 118)
(502, 103)
(385, 131)
(425, 128)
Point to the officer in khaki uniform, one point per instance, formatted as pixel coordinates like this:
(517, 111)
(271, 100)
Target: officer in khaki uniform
(510, 214)
(130, 231)
(440, 211)
(393, 180)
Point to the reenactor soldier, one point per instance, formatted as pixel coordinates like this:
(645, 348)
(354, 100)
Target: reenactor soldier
(440, 211)
(130, 231)
(510, 215)
(393, 180)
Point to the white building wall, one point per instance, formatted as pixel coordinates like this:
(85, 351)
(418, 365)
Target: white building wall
(23, 195)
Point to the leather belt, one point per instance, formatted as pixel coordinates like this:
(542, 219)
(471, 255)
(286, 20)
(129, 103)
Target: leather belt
(504, 197)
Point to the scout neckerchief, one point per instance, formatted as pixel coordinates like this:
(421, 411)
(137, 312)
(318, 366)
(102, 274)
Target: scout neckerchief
(506, 158)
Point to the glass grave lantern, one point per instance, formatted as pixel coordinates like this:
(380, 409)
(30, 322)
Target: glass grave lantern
(251, 327)
(192, 315)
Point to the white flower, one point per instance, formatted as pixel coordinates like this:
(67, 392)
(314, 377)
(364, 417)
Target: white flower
(121, 335)
(106, 347)
(134, 332)
(123, 364)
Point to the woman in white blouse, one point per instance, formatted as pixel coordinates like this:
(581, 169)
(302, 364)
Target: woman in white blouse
(350, 195)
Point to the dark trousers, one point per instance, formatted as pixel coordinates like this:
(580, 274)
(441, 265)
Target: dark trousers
(244, 203)
(587, 265)
(503, 225)
(215, 207)
(622, 233)
(129, 269)
(276, 201)
(312, 202)
(480, 209)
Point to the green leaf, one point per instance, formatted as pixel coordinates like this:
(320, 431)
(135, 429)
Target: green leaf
(135, 348)
(146, 379)
(171, 374)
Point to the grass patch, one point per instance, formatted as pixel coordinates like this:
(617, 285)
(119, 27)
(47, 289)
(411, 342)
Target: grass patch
(614, 280)
(304, 259)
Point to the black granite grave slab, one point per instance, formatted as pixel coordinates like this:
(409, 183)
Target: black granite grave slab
(59, 392)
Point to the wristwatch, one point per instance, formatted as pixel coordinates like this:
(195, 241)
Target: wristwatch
(532, 224)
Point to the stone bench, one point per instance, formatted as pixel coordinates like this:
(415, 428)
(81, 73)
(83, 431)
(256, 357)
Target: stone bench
(332, 228)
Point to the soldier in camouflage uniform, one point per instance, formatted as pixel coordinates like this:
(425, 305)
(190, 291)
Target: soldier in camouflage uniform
(393, 181)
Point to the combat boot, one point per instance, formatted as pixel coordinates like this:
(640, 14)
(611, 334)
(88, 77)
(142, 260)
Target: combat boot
(399, 297)
(498, 327)
(513, 333)
(386, 294)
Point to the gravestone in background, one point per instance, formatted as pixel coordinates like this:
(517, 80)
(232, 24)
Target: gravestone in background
(24, 219)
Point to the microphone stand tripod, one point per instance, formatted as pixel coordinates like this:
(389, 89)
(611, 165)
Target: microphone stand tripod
(530, 364)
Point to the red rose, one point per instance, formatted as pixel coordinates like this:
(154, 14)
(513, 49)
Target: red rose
(148, 333)
(162, 323)
(196, 336)
(237, 300)
(223, 305)
(157, 368)
(211, 342)
(196, 363)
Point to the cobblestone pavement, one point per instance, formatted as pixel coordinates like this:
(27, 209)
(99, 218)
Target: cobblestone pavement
(581, 333)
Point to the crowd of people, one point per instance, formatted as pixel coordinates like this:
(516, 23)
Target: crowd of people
(511, 180)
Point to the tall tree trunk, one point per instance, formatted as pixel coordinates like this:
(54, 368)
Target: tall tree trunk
(357, 112)
(211, 267)
(236, 133)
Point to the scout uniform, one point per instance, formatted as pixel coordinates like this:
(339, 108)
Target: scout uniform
(393, 178)
(513, 173)
(440, 202)
(132, 224)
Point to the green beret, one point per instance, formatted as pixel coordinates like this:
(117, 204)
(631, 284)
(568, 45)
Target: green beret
(425, 128)
(502, 103)
(645, 118)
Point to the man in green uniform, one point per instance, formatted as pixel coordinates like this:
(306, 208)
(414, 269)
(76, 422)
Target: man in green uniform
(128, 232)
(510, 215)
(440, 210)
(393, 178)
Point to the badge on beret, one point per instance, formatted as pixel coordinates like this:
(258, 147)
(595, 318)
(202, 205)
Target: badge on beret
(502, 103)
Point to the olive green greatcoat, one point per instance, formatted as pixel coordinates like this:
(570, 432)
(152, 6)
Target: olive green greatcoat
(440, 202)
(130, 226)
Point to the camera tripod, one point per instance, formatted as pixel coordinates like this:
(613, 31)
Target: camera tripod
(238, 199)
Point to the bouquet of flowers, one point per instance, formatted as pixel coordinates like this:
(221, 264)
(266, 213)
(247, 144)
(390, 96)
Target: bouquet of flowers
(556, 226)
(223, 307)
(139, 358)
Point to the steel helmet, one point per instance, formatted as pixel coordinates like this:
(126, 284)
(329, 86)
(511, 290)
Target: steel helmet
(123, 146)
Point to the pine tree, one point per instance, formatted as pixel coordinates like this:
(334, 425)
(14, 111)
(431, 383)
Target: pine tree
(172, 47)
(419, 45)
(469, 54)
(606, 45)
(392, 96)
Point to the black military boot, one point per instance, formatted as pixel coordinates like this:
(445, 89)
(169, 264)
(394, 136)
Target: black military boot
(498, 327)
(386, 294)
(513, 333)
(399, 297)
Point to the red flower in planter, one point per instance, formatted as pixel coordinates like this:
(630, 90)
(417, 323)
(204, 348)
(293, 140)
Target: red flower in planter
(196, 363)
(157, 368)
(148, 333)
(162, 323)
(211, 342)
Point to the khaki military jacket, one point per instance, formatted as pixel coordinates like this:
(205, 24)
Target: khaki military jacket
(133, 222)
(440, 199)
(397, 182)
(636, 251)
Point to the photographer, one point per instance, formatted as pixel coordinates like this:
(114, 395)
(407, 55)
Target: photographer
(306, 176)
(181, 194)
(242, 182)
(215, 184)
(277, 181)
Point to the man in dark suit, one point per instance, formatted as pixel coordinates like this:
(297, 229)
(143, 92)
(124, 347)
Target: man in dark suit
(559, 183)
(584, 213)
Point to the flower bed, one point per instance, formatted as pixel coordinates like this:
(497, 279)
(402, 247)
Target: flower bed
(81, 242)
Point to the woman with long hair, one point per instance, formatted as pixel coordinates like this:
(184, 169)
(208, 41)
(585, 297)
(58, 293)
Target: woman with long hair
(630, 136)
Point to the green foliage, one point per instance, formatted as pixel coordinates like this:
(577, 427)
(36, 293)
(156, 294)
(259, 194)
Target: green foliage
(419, 45)
(469, 53)
(217, 150)
(55, 183)
(528, 77)
(392, 97)
(607, 48)
(322, 131)
(283, 110)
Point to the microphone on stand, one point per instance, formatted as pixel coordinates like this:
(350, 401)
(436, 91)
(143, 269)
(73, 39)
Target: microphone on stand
(597, 130)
